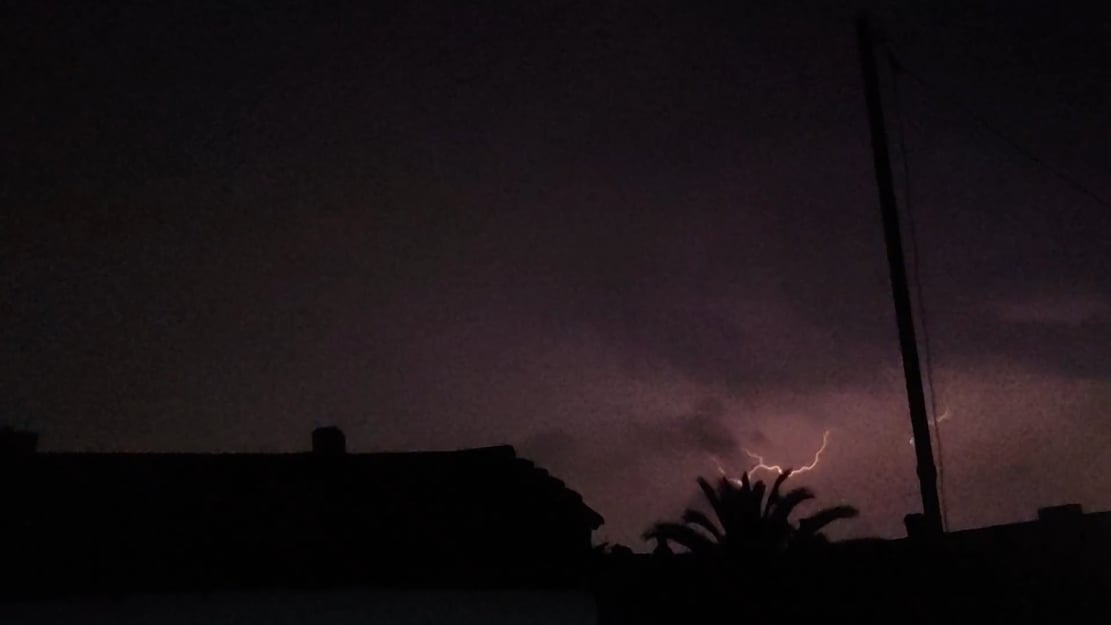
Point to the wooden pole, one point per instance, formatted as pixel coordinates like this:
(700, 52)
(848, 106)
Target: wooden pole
(908, 344)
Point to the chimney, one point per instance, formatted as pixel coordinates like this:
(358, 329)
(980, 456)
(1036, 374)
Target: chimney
(915, 524)
(1058, 514)
(14, 443)
(329, 441)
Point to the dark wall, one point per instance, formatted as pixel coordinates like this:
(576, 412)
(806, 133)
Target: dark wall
(312, 608)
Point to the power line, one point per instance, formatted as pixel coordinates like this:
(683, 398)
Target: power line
(919, 299)
(1060, 174)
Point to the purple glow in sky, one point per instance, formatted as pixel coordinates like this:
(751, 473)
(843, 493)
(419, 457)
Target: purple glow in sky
(627, 239)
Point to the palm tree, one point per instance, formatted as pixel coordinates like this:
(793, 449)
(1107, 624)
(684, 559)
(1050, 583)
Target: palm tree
(747, 525)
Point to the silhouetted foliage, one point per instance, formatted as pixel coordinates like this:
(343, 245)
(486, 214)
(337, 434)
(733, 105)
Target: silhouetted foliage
(607, 549)
(745, 524)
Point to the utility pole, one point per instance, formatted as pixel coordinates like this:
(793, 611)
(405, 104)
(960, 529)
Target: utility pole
(908, 344)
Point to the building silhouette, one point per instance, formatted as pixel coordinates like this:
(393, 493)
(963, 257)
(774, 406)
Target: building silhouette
(323, 518)
(476, 535)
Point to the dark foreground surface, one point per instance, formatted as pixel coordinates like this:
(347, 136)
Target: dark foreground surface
(979, 581)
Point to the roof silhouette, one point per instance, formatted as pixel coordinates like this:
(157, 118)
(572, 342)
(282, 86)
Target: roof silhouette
(229, 519)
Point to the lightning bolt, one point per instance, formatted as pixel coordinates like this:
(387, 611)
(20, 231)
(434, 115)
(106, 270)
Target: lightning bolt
(775, 468)
(717, 463)
(945, 414)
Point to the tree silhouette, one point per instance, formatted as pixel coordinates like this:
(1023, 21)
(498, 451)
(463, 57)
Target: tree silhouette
(746, 525)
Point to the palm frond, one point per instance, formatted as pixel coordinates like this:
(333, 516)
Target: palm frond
(682, 535)
(814, 523)
(773, 497)
(699, 519)
(747, 525)
(781, 513)
(713, 496)
(752, 510)
(729, 515)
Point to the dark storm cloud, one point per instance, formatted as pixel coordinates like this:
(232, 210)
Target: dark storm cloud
(704, 429)
(1060, 340)
(560, 224)
(551, 444)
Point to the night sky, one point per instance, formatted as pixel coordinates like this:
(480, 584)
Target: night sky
(628, 238)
